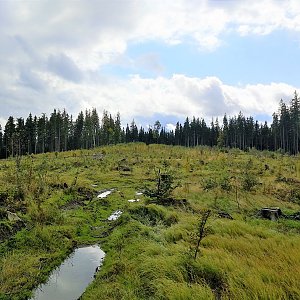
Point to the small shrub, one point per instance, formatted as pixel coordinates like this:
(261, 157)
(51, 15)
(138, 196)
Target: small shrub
(249, 181)
(209, 184)
(225, 183)
(164, 186)
(295, 195)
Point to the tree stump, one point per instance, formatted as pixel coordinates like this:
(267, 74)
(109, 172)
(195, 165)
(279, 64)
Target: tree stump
(271, 213)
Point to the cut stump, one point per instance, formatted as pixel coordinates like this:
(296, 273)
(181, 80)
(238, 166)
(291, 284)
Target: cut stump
(271, 213)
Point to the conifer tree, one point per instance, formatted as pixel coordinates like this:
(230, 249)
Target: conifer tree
(186, 133)
(9, 136)
(1, 143)
(78, 131)
(30, 131)
(295, 122)
(21, 138)
(117, 131)
(42, 133)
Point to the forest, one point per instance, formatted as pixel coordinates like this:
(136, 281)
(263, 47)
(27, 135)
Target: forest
(60, 132)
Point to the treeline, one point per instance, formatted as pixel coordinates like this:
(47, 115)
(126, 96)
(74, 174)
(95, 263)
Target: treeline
(60, 132)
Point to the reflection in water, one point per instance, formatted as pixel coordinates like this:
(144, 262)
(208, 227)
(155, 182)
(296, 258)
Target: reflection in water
(104, 194)
(69, 281)
(114, 216)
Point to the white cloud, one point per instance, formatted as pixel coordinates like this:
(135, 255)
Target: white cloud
(170, 127)
(178, 96)
(64, 67)
(93, 32)
(2, 123)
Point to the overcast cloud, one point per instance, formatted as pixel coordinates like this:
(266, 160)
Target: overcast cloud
(53, 52)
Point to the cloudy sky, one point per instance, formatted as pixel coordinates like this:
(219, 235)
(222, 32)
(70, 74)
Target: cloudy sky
(148, 59)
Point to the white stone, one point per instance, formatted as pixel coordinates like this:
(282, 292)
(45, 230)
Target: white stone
(12, 216)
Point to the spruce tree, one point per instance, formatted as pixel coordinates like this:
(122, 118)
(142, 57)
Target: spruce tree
(9, 136)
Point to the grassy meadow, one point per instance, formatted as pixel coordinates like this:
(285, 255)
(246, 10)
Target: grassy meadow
(150, 249)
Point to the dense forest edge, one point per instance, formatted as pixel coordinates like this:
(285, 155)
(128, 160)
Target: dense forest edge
(60, 132)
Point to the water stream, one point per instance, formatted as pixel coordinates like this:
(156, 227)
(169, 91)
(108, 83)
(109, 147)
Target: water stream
(69, 281)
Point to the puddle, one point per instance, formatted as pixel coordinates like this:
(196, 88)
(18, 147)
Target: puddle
(114, 216)
(104, 194)
(138, 193)
(134, 200)
(69, 281)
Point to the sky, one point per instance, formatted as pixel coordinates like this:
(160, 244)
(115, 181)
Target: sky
(149, 59)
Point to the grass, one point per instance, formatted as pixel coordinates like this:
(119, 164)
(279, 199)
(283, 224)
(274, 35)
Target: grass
(150, 248)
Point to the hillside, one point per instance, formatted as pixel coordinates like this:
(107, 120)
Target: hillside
(151, 249)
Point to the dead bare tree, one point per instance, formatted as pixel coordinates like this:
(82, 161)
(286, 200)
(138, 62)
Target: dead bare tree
(202, 231)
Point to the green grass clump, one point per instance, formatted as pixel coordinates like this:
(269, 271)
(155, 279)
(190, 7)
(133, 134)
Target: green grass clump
(153, 215)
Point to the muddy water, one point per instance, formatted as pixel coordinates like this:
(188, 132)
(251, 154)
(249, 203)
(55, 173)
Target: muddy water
(69, 281)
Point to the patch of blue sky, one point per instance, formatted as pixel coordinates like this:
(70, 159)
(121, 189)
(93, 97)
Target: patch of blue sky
(262, 118)
(239, 60)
